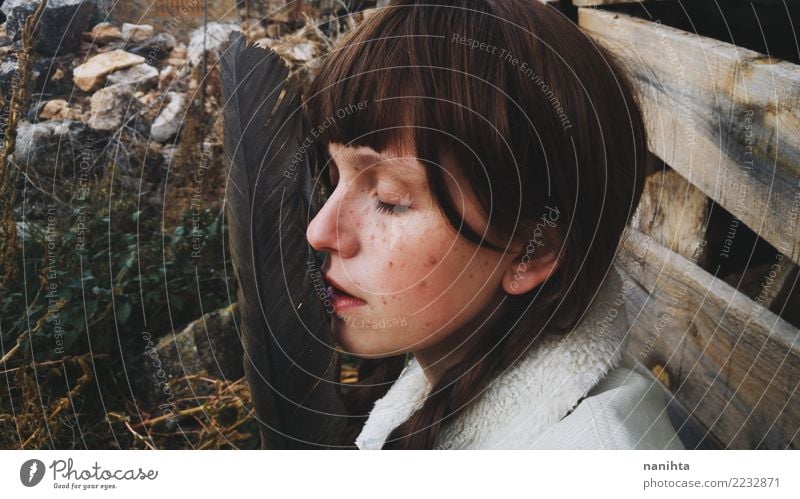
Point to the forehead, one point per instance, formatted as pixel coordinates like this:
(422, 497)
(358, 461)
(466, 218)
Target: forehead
(359, 158)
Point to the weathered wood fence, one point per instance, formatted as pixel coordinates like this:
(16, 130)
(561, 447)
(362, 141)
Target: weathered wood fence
(713, 249)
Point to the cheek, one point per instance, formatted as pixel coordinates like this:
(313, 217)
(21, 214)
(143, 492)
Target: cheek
(463, 276)
(409, 257)
(417, 261)
(440, 276)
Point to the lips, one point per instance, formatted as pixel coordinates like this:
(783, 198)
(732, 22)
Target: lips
(340, 298)
(336, 286)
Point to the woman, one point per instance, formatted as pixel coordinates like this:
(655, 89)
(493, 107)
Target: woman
(483, 159)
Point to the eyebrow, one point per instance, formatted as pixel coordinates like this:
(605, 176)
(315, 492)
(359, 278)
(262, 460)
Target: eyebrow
(402, 169)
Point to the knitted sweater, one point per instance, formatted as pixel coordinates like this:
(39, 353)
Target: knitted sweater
(573, 391)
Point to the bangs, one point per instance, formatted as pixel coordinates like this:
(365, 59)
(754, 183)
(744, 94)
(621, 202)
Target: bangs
(464, 83)
(357, 101)
(399, 83)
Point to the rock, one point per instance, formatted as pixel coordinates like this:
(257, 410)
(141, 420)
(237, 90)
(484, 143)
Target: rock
(149, 98)
(166, 76)
(41, 71)
(209, 346)
(54, 109)
(8, 75)
(111, 107)
(136, 33)
(168, 122)
(156, 47)
(27, 136)
(60, 26)
(174, 61)
(103, 34)
(180, 51)
(164, 41)
(302, 52)
(91, 73)
(177, 57)
(16, 12)
(58, 109)
(140, 77)
(49, 147)
(218, 35)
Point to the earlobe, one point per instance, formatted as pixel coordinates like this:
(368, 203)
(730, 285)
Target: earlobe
(525, 274)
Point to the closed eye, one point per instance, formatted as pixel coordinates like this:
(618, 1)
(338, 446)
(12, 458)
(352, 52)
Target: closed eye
(391, 209)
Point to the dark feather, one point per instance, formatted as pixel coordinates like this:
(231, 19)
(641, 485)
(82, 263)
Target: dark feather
(290, 363)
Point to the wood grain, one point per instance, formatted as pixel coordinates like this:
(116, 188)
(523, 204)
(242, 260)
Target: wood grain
(674, 213)
(731, 362)
(726, 118)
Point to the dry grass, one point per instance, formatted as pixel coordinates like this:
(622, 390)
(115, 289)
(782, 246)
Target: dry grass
(51, 405)
(220, 420)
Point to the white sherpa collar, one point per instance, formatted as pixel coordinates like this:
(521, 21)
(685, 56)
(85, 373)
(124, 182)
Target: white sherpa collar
(522, 402)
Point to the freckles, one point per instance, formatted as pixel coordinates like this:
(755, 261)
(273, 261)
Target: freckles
(432, 260)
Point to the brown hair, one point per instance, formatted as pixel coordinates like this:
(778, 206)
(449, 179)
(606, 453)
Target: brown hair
(534, 114)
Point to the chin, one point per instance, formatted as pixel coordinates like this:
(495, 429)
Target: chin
(351, 341)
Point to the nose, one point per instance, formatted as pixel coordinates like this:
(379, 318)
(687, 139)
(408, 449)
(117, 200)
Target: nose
(331, 229)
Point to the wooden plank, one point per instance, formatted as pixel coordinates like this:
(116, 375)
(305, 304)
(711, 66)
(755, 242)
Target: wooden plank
(726, 118)
(596, 3)
(786, 302)
(729, 361)
(764, 282)
(674, 213)
(600, 3)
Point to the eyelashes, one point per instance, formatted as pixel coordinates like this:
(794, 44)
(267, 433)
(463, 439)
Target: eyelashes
(390, 209)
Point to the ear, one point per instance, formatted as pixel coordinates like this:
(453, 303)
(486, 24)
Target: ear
(527, 272)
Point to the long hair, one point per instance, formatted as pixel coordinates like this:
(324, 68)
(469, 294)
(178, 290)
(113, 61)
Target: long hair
(534, 114)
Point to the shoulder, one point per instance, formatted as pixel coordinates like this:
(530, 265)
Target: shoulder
(625, 410)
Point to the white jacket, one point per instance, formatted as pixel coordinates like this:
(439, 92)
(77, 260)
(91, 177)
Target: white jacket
(576, 391)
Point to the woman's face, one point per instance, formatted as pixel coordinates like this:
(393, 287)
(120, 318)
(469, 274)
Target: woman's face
(410, 280)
